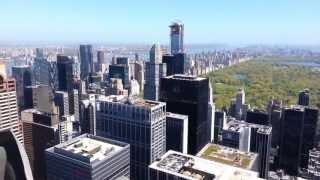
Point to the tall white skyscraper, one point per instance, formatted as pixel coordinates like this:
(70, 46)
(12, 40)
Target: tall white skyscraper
(176, 37)
(9, 119)
(240, 100)
(154, 71)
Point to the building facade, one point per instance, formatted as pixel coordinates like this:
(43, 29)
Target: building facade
(65, 73)
(177, 37)
(188, 95)
(86, 61)
(9, 117)
(140, 123)
(88, 157)
(291, 143)
(154, 71)
(175, 63)
(177, 132)
(23, 77)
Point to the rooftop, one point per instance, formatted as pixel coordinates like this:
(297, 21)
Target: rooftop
(196, 168)
(185, 77)
(176, 116)
(228, 156)
(88, 148)
(130, 100)
(236, 125)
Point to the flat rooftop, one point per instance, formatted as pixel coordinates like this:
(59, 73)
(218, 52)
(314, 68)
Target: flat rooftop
(236, 125)
(185, 77)
(176, 116)
(88, 148)
(228, 156)
(137, 101)
(197, 168)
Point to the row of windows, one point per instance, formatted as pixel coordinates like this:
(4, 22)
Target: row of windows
(140, 134)
(124, 111)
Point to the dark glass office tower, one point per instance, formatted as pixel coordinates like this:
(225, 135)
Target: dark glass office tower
(303, 98)
(87, 116)
(120, 71)
(309, 133)
(219, 120)
(291, 139)
(61, 100)
(65, 73)
(175, 63)
(188, 95)
(86, 61)
(257, 117)
(177, 132)
(263, 148)
(22, 75)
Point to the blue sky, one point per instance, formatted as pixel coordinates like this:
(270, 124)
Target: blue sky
(146, 21)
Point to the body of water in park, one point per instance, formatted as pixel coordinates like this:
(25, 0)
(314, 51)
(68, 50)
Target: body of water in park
(305, 63)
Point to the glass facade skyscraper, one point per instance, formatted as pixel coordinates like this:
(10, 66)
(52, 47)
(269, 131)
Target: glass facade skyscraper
(188, 95)
(291, 140)
(65, 73)
(154, 71)
(86, 61)
(175, 63)
(177, 36)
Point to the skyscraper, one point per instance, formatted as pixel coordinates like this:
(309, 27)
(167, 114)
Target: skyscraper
(40, 132)
(61, 99)
(219, 121)
(88, 157)
(155, 70)
(45, 72)
(23, 77)
(177, 132)
(100, 59)
(86, 61)
(43, 99)
(139, 73)
(275, 113)
(263, 148)
(88, 115)
(309, 133)
(120, 71)
(138, 122)
(65, 73)
(303, 98)
(291, 139)
(175, 63)
(257, 117)
(8, 106)
(240, 100)
(188, 95)
(176, 37)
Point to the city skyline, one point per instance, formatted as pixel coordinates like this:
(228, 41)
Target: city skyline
(145, 22)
